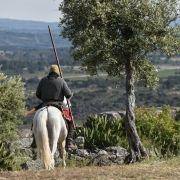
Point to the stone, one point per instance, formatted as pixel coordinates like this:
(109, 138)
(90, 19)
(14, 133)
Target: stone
(101, 160)
(82, 152)
(102, 152)
(113, 114)
(34, 164)
(118, 151)
(24, 142)
(80, 141)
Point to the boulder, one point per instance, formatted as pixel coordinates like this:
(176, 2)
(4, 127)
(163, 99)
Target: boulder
(113, 114)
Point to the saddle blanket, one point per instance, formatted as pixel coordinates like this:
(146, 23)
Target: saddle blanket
(66, 112)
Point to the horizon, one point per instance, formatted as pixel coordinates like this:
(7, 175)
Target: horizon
(36, 21)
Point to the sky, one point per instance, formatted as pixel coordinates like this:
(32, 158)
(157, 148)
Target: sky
(37, 10)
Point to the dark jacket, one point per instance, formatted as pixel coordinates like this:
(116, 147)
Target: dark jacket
(53, 88)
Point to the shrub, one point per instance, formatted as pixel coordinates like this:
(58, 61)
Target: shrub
(11, 109)
(99, 132)
(158, 130)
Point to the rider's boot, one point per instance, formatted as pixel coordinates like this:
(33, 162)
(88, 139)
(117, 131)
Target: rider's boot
(33, 144)
(70, 145)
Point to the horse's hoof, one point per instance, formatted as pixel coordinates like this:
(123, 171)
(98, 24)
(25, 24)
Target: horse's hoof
(50, 168)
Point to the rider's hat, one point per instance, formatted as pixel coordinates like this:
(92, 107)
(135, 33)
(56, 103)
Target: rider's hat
(54, 68)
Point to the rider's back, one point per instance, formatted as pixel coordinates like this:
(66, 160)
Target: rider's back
(52, 88)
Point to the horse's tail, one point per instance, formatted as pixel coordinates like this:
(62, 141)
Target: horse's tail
(42, 139)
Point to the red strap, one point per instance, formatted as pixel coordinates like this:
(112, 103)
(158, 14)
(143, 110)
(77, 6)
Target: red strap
(67, 114)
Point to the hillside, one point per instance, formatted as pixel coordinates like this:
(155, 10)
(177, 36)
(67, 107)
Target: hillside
(24, 25)
(146, 170)
(29, 34)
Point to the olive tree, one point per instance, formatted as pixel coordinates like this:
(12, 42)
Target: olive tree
(12, 103)
(116, 37)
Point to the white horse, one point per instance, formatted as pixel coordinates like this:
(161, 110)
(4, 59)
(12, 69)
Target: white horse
(50, 131)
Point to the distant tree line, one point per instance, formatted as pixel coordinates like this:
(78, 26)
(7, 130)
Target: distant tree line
(33, 60)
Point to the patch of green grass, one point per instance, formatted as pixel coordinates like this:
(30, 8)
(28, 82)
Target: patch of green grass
(168, 72)
(74, 161)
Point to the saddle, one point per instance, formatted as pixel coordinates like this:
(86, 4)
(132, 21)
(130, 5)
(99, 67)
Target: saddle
(66, 112)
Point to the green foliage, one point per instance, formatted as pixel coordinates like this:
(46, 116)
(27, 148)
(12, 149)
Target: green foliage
(73, 161)
(32, 60)
(149, 79)
(106, 34)
(158, 130)
(11, 109)
(11, 156)
(100, 132)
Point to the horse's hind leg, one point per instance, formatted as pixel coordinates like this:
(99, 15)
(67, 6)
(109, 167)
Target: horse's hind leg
(63, 152)
(54, 146)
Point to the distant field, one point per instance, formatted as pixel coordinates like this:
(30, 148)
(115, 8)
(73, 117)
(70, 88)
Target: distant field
(164, 71)
(169, 169)
(75, 73)
(169, 72)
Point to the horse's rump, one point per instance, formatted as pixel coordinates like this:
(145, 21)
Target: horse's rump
(48, 127)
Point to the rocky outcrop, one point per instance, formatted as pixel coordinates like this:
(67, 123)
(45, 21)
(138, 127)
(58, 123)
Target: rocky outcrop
(108, 156)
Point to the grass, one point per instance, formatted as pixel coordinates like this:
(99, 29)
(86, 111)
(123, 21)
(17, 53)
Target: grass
(76, 74)
(169, 72)
(152, 169)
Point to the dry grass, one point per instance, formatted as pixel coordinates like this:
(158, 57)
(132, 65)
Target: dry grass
(146, 170)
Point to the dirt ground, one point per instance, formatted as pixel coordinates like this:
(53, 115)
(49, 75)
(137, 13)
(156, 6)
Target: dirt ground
(146, 170)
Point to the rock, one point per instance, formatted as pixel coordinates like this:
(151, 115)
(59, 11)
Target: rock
(109, 156)
(113, 114)
(34, 164)
(82, 152)
(80, 141)
(24, 142)
(118, 151)
(101, 160)
(102, 152)
(25, 131)
(122, 113)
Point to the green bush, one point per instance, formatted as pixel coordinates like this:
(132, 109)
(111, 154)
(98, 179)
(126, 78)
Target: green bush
(11, 109)
(100, 132)
(158, 130)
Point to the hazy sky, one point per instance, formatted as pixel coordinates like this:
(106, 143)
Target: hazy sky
(38, 10)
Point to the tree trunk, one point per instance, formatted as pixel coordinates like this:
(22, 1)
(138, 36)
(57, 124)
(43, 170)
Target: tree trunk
(137, 149)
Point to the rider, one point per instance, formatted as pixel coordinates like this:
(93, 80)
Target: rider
(51, 90)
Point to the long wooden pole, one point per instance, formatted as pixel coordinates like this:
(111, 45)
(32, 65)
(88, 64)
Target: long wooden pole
(55, 52)
(58, 63)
